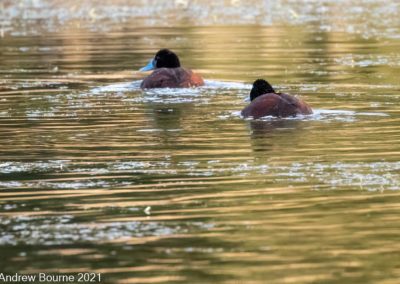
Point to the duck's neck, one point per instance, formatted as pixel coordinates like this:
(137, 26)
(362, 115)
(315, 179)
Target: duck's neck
(256, 92)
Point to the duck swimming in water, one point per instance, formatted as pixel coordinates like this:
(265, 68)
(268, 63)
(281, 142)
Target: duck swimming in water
(266, 102)
(168, 72)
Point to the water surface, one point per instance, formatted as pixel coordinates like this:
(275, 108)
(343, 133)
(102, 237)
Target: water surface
(173, 185)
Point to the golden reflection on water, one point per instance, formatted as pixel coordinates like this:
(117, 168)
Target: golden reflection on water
(153, 187)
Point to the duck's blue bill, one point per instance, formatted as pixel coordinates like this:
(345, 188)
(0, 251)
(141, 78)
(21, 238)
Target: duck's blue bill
(150, 66)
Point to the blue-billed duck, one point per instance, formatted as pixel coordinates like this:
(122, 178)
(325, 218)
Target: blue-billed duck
(168, 72)
(266, 102)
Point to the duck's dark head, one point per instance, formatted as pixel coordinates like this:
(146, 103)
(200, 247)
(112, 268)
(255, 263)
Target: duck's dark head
(260, 87)
(164, 58)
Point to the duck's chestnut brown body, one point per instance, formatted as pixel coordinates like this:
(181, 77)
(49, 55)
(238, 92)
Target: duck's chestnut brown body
(168, 72)
(172, 78)
(265, 101)
(276, 104)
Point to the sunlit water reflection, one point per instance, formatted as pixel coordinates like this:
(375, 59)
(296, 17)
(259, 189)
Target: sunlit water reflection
(174, 185)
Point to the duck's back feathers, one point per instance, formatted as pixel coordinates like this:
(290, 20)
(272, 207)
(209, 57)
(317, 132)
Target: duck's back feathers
(292, 106)
(263, 105)
(172, 78)
(278, 105)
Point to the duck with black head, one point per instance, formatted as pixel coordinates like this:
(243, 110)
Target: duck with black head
(265, 101)
(168, 72)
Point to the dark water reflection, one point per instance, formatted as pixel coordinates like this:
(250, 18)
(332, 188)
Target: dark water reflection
(173, 185)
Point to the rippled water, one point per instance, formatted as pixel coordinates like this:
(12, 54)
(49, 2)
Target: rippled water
(173, 185)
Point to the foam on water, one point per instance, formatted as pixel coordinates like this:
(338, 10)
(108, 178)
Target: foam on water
(318, 115)
(118, 87)
(221, 85)
(62, 230)
(135, 85)
(168, 95)
(322, 114)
